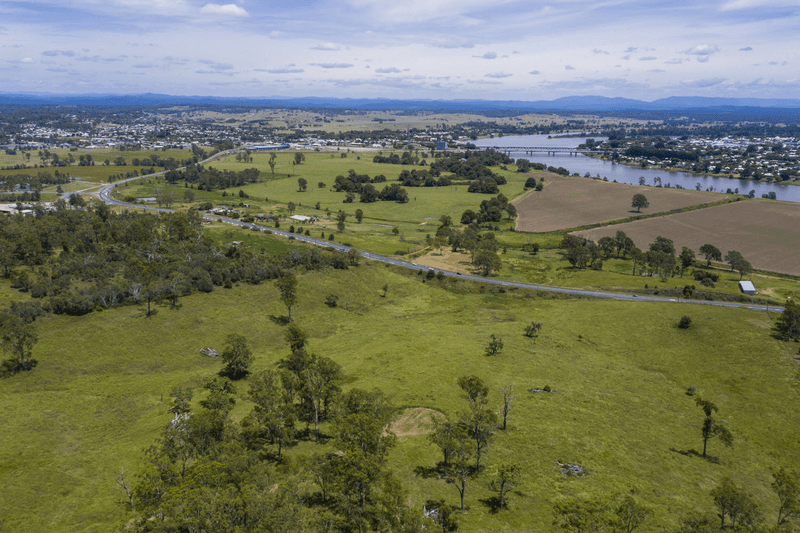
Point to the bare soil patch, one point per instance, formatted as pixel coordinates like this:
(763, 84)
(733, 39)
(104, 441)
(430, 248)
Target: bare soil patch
(765, 232)
(446, 260)
(415, 421)
(571, 201)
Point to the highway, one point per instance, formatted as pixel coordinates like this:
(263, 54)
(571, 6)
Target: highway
(104, 195)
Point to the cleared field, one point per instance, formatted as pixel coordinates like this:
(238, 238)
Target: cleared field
(765, 232)
(571, 201)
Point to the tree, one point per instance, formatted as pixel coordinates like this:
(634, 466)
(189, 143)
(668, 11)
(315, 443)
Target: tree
(271, 163)
(237, 356)
(320, 380)
(583, 516)
(639, 201)
(713, 428)
(291, 207)
(507, 399)
(631, 514)
(445, 435)
(487, 262)
(710, 252)
(287, 285)
(734, 504)
(17, 340)
(532, 330)
(445, 221)
(686, 258)
(341, 217)
(732, 258)
(788, 324)
(508, 475)
(786, 485)
(495, 346)
(359, 215)
(302, 184)
(299, 157)
(461, 454)
(480, 420)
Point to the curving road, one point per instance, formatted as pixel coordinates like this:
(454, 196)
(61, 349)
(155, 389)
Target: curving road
(104, 195)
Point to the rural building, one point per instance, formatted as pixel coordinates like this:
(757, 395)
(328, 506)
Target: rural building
(747, 287)
(301, 218)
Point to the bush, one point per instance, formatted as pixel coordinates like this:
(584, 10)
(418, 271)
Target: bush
(331, 300)
(684, 322)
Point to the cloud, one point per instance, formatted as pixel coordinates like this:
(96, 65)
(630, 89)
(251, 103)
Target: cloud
(616, 85)
(287, 70)
(597, 51)
(498, 75)
(702, 83)
(454, 44)
(27, 60)
(746, 49)
(702, 51)
(648, 58)
(53, 53)
(569, 67)
(487, 55)
(656, 70)
(226, 10)
(329, 47)
(534, 72)
(390, 70)
(216, 66)
(630, 50)
(332, 65)
(144, 65)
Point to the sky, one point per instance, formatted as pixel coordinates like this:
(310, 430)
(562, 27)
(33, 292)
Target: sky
(431, 49)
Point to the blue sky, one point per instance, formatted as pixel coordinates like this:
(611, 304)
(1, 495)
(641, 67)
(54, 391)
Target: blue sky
(445, 49)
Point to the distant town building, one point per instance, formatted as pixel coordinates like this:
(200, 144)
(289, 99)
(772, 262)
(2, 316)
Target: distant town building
(441, 145)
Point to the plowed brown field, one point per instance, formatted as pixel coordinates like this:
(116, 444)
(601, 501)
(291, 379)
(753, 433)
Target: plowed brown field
(571, 201)
(765, 232)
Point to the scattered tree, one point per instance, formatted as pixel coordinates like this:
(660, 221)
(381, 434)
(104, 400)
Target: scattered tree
(17, 340)
(713, 428)
(639, 201)
(711, 253)
(487, 262)
(341, 217)
(788, 324)
(684, 322)
(237, 357)
(507, 399)
(495, 346)
(299, 157)
(786, 485)
(532, 330)
(736, 505)
(508, 475)
(271, 163)
(631, 514)
(359, 215)
(302, 184)
(287, 285)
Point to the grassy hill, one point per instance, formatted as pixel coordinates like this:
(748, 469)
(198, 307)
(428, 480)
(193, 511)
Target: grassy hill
(620, 371)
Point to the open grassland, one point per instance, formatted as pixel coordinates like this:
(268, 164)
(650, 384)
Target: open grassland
(765, 232)
(100, 393)
(571, 201)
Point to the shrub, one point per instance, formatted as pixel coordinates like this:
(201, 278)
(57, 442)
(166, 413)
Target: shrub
(684, 322)
(331, 300)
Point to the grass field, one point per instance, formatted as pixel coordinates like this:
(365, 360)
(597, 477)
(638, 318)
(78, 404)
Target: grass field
(765, 232)
(571, 201)
(99, 394)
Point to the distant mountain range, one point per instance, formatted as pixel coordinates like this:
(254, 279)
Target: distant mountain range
(569, 103)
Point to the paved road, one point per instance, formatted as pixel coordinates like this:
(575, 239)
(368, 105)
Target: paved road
(105, 195)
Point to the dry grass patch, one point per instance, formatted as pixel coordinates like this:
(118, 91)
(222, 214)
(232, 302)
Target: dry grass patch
(765, 232)
(571, 201)
(446, 260)
(415, 421)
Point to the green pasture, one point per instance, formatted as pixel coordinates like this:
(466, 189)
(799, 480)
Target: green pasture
(620, 371)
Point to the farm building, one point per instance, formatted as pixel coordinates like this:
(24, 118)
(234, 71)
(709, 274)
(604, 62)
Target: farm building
(302, 218)
(747, 287)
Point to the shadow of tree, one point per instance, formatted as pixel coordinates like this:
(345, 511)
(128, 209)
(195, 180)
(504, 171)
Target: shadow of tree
(493, 503)
(427, 472)
(694, 453)
(280, 320)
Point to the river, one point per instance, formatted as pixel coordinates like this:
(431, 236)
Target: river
(582, 164)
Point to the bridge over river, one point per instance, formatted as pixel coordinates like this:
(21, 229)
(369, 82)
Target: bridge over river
(544, 149)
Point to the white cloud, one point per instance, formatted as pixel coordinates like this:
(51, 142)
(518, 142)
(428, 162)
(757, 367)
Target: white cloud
(27, 60)
(702, 83)
(498, 75)
(746, 49)
(489, 55)
(287, 70)
(569, 67)
(332, 65)
(330, 47)
(454, 44)
(390, 70)
(702, 51)
(597, 51)
(648, 58)
(226, 10)
(53, 53)
(534, 72)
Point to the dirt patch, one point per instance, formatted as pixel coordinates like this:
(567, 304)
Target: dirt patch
(415, 421)
(571, 201)
(446, 260)
(765, 232)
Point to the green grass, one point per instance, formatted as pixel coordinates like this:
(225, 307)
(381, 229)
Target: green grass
(100, 393)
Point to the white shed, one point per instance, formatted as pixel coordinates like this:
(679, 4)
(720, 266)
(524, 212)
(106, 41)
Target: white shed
(747, 287)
